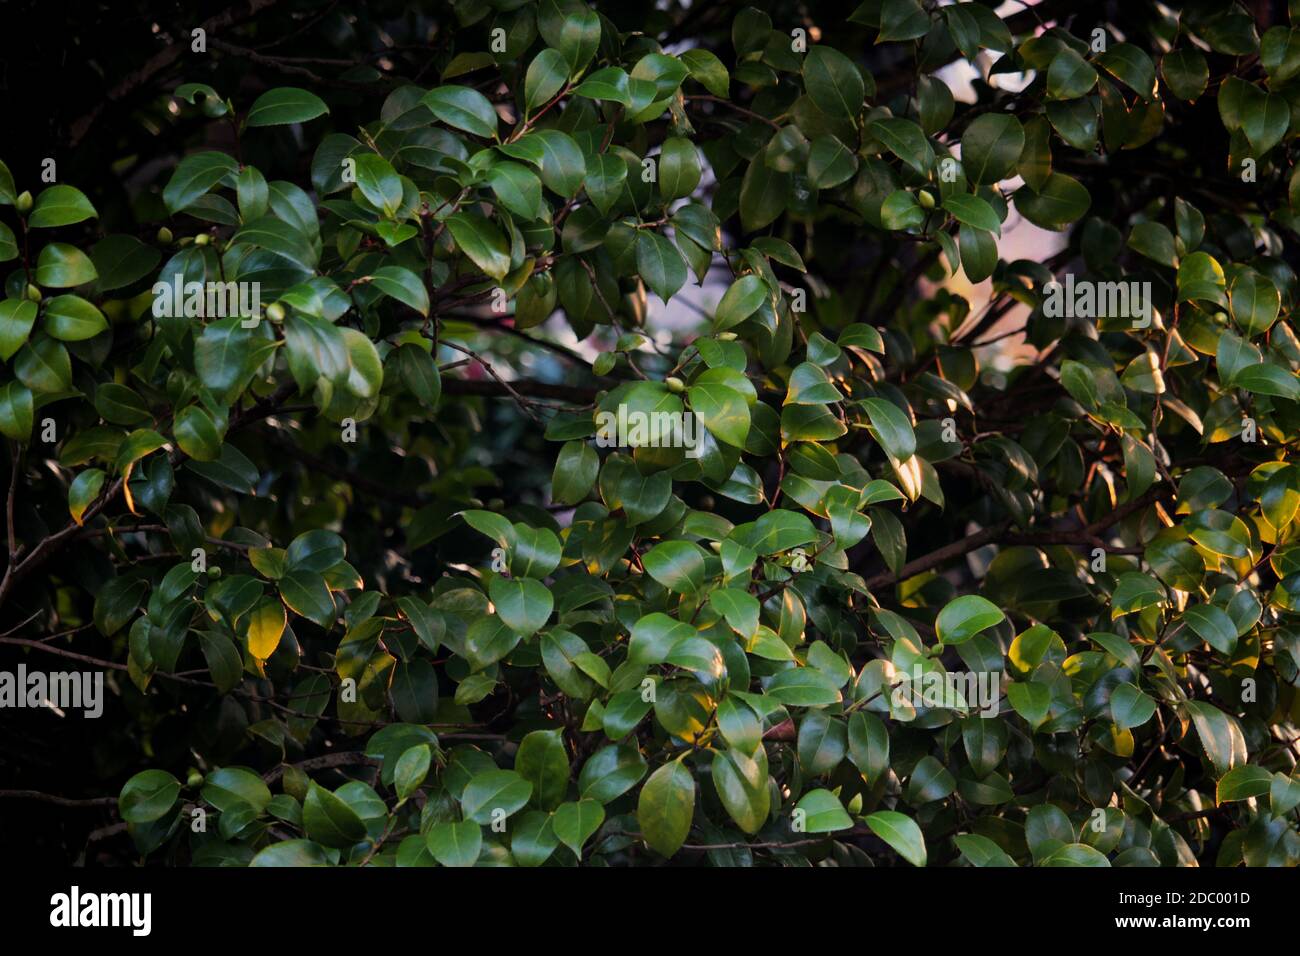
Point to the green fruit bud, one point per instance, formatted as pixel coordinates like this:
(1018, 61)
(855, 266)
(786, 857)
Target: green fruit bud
(925, 199)
(275, 312)
(1221, 318)
(202, 239)
(214, 572)
(24, 201)
(185, 240)
(33, 293)
(727, 336)
(165, 235)
(194, 779)
(675, 384)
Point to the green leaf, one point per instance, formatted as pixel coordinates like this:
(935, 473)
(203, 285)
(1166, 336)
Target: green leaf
(292, 853)
(463, 108)
(963, 618)
(1268, 379)
(891, 428)
(902, 20)
(907, 141)
(83, 491)
(1075, 854)
(723, 410)
(71, 318)
(1155, 242)
(677, 565)
(1213, 626)
(546, 74)
(220, 353)
(764, 193)
(122, 260)
(17, 316)
(741, 300)
(666, 806)
(197, 434)
(822, 813)
(576, 468)
(804, 687)
(43, 365)
(1220, 736)
(148, 796)
(572, 28)
(483, 243)
(411, 770)
(283, 105)
(379, 182)
(455, 844)
(575, 823)
(900, 832)
(679, 168)
(833, 82)
(403, 285)
(562, 165)
(518, 189)
(535, 551)
(1242, 783)
(708, 70)
(60, 206)
(1265, 120)
(543, 761)
(1131, 66)
(868, 745)
(611, 84)
(494, 794)
(1255, 302)
(830, 162)
(1061, 201)
(609, 773)
(61, 266)
(991, 147)
(973, 211)
(659, 264)
(1070, 76)
(653, 638)
(1129, 707)
(522, 603)
(196, 174)
(739, 608)
(981, 851)
(1185, 72)
(305, 593)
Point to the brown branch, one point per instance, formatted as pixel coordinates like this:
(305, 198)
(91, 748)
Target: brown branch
(996, 534)
(575, 394)
(346, 759)
(161, 60)
(57, 800)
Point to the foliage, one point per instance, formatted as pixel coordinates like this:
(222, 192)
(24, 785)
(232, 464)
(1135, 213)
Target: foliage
(381, 597)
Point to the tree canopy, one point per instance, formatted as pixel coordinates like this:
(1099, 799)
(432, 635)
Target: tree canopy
(547, 433)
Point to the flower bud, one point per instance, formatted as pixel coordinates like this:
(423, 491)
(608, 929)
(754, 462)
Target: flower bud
(675, 384)
(165, 236)
(24, 201)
